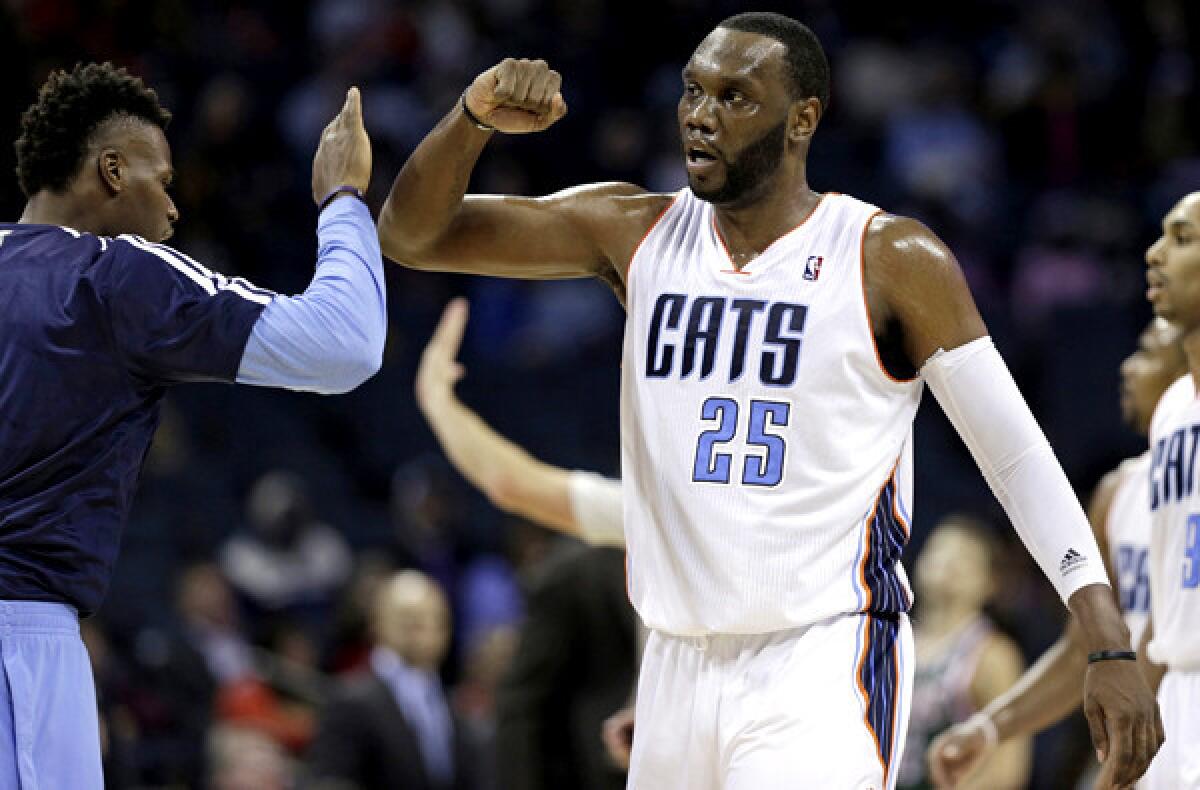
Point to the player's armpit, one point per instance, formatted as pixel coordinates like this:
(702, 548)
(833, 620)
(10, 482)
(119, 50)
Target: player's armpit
(914, 284)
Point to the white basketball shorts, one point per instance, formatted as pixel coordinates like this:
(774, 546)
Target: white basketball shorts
(825, 706)
(1177, 764)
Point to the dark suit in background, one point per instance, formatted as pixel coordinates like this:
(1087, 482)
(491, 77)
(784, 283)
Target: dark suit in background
(364, 742)
(575, 666)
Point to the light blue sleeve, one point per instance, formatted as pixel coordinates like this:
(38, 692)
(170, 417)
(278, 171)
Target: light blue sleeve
(330, 338)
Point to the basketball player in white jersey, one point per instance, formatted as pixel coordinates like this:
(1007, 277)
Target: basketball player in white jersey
(776, 347)
(1120, 516)
(1173, 641)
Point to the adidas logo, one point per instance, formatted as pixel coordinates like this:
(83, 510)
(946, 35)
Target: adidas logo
(1070, 561)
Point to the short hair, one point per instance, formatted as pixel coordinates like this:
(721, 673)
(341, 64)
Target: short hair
(70, 107)
(807, 66)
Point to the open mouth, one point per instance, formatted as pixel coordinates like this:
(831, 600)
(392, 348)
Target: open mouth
(699, 155)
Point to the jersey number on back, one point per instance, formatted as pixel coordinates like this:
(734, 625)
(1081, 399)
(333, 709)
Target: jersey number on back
(1191, 553)
(1133, 578)
(765, 451)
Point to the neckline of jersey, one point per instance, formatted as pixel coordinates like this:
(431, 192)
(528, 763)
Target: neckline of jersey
(745, 270)
(72, 231)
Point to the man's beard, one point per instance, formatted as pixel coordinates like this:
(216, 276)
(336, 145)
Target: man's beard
(757, 163)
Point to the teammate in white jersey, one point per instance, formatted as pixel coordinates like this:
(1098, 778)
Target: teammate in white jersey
(776, 346)
(1120, 515)
(1173, 641)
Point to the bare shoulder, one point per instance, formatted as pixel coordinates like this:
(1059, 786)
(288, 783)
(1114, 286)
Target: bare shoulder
(1108, 485)
(607, 196)
(894, 245)
(1103, 493)
(915, 288)
(617, 214)
(628, 208)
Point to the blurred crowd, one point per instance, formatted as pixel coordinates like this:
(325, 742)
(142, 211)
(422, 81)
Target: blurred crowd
(1042, 140)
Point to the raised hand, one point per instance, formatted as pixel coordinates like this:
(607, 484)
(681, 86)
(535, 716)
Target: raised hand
(955, 753)
(343, 157)
(438, 371)
(517, 96)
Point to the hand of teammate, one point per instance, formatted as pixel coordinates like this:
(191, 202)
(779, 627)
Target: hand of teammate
(517, 96)
(438, 371)
(1124, 721)
(617, 734)
(344, 156)
(955, 753)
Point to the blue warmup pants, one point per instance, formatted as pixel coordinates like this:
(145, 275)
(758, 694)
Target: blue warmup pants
(49, 732)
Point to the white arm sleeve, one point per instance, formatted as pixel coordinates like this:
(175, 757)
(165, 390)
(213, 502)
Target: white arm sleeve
(598, 508)
(978, 394)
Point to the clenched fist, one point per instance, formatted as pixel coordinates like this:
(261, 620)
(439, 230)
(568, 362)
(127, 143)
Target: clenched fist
(517, 96)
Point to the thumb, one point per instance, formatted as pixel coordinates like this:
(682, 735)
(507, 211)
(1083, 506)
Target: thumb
(558, 107)
(352, 109)
(951, 751)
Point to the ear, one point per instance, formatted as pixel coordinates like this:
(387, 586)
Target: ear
(111, 167)
(803, 118)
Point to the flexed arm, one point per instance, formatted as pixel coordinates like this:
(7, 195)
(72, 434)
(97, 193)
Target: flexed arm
(429, 222)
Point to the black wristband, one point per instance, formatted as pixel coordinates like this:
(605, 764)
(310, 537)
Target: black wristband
(473, 118)
(344, 189)
(1112, 655)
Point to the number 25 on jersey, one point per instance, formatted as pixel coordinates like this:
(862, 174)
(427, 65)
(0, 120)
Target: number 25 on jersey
(765, 450)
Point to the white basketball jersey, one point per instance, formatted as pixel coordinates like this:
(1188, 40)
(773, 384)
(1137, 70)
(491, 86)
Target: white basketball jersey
(766, 454)
(1174, 498)
(1128, 532)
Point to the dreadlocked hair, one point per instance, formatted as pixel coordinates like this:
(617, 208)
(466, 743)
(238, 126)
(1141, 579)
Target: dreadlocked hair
(56, 129)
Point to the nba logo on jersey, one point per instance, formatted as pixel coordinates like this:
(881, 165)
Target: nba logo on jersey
(812, 267)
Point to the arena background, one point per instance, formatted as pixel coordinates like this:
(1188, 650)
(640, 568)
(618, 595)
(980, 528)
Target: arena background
(1042, 140)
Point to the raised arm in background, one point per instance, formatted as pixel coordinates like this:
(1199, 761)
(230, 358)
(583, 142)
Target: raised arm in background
(581, 504)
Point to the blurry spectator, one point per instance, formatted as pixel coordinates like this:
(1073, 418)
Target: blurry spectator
(351, 641)
(936, 147)
(243, 759)
(247, 678)
(963, 662)
(391, 727)
(486, 660)
(426, 510)
(288, 561)
(209, 618)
